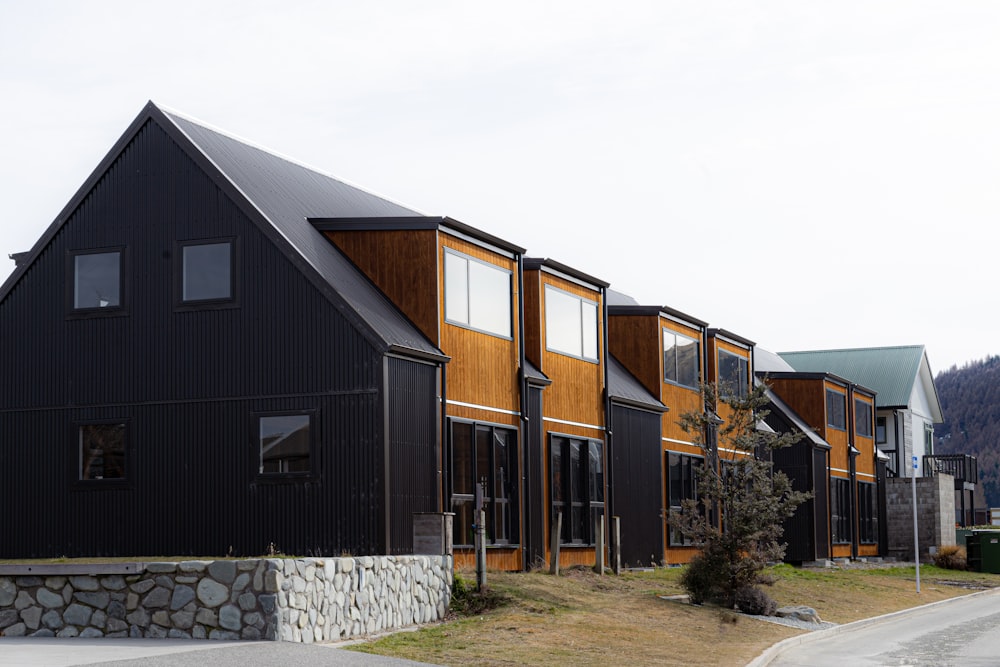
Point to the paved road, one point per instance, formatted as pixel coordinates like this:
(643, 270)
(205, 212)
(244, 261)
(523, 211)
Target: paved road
(30, 652)
(964, 632)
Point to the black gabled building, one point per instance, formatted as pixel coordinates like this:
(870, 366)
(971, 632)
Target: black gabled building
(191, 368)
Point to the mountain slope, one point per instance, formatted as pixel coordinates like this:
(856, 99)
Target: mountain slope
(970, 398)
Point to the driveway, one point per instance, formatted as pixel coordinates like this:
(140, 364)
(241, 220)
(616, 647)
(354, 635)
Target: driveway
(961, 631)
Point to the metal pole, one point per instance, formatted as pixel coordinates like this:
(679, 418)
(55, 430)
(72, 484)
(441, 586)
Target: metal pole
(916, 538)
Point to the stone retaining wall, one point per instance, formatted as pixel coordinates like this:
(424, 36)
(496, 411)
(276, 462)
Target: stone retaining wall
(300, 600)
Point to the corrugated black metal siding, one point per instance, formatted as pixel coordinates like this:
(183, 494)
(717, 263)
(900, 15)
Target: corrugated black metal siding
(413, 448)
(637, 485)
(799, 529)
(187, 383)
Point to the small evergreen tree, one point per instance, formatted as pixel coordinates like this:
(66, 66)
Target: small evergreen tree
(742, 502)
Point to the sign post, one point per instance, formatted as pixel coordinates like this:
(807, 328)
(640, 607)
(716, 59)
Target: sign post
(916, 538)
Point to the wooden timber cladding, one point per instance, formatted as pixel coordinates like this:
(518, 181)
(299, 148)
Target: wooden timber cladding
(401, 263)
(804, 396)
(678, 398)
(839, 439)
(484, 368)
(577, 390)
(866, 445)
(635, 340)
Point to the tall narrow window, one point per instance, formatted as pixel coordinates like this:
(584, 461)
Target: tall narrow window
(867, 513)
(880, 431)
(682, 480)
(863, 418)
(840, 510)
(734, 374)
(102, 451)
(97, 279)
(206, 271)
(577, 486)
(484, 464)
(570, 324)
(477, 294)
(285, 444)
(836, 410)
(681, 359)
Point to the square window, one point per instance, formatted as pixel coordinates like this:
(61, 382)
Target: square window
(285, 444)
(571, 324)
(97, 278)
(206, 272)
(734, 375)
(477, 294)
(102, 451)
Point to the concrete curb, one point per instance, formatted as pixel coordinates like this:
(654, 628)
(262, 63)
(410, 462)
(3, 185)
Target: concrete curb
(776, 650)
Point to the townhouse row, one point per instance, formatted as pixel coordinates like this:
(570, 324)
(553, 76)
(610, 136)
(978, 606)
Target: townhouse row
(219, 350)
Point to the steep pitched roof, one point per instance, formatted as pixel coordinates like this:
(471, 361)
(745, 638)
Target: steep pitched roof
(278, 195)
(889, 371)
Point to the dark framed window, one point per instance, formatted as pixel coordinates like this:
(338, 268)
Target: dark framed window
(576, 469)
(97, 277)
(836, 410)
(477, 294)
(570, 324)
(880, 434)
(102, 452)
(682, 484)
(681, 359)
(484, 464)
(840, 510)
(205, 274)
(863, 418)
(285, 444)
(734, 375)
(867, 513)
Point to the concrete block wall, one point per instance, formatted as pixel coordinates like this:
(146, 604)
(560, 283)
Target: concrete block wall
(935, 514)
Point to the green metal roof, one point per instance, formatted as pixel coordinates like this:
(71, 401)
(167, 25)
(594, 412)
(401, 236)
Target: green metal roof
(890, 371)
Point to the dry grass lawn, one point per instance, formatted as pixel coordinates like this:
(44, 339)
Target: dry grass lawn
(580, 618)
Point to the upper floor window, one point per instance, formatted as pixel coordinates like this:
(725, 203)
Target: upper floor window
(285, 443)
(102, 451)
(836, 410)
(863, 418)
(477, 294)
(680, 359)
(206, 271)
(734, 374)
(97, 279)
(880, 433)
(570, 324)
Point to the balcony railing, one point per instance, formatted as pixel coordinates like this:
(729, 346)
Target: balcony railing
(960, 466)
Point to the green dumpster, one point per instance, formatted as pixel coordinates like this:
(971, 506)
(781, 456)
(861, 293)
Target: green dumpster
(982, 549)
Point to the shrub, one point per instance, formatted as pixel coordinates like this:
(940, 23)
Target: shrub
(467, 601)
(703, 577)
(752, 600)
(951, 557)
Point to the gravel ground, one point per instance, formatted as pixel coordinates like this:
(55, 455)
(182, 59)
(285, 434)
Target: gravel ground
(793, 622)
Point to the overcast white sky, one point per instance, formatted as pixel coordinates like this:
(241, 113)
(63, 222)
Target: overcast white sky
(808, 175)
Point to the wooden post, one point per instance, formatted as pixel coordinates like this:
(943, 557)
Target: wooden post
(599, 545)
(616, 545)
(481, 550)
(554, 544)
